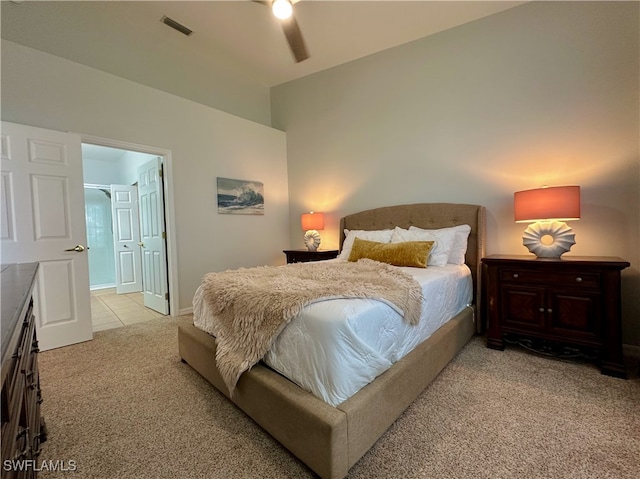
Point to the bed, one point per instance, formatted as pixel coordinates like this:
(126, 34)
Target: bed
(330, 439)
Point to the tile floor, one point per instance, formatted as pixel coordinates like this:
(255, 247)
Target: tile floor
(111, 310)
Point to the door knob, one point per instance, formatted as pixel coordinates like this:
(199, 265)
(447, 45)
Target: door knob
(141, 244)
(78, 248)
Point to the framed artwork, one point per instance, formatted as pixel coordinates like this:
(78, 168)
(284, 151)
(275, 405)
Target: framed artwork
(240, 197)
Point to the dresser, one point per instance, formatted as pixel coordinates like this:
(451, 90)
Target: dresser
(568, 306)
(23, 428)
(304, 255)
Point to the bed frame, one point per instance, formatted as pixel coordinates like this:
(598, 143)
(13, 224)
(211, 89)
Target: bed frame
(332, 439)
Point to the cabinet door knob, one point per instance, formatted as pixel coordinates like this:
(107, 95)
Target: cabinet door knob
(541, 310)
(515, 275)
(549, 310)
(579, 279)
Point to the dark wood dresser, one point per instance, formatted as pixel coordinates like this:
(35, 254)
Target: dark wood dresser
(304, 256)
(23, 428)
(568, 306)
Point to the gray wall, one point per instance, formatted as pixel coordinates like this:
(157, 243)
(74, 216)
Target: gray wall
(542, 94)
(46, 91)
(34, 23)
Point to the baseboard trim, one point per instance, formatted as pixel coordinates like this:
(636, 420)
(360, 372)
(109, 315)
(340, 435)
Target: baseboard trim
(631, 350)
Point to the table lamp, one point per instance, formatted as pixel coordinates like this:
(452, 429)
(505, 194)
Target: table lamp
(548, 208)
(311, 222)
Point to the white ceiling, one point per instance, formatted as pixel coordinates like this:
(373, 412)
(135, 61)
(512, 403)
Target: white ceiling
(239, 37)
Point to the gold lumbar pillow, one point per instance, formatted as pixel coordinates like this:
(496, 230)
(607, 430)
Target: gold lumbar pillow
(408, 253)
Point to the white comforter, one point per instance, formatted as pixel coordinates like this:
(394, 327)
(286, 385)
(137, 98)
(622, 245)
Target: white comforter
(335, 347)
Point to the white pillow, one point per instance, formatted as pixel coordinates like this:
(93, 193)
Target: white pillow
(381, 236)
(443, 241)
(459, 247)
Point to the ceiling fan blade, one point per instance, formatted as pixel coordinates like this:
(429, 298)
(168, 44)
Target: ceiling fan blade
(292, 33)
(294, 38)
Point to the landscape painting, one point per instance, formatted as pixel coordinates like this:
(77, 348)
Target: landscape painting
(240, 197)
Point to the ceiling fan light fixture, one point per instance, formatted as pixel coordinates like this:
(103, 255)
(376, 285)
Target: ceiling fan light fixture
(282, 9)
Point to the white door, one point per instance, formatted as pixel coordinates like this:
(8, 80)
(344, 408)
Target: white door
(126, 236)
(44, 221)
(152, 236)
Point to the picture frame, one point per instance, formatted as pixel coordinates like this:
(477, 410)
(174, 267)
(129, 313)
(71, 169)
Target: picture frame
(240, 197)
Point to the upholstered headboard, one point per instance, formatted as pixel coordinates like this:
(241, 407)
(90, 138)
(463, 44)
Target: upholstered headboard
(430, 216)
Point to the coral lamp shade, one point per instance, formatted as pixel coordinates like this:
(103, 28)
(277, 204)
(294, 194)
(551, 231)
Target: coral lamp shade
(553, 203)
(312, 221)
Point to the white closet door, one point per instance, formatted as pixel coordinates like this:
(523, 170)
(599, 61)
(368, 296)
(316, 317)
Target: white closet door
(126, 238)
(152, 236)
(43, 220)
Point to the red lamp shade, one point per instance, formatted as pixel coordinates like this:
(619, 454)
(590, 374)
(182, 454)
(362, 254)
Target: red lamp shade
(554, 203)
(312, 221)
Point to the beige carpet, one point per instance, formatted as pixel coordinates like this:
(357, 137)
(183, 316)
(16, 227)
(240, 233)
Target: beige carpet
(124, 406)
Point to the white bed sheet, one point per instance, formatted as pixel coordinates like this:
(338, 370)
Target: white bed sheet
(335, 347)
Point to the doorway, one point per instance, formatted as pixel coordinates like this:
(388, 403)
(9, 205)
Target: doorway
(109, 168)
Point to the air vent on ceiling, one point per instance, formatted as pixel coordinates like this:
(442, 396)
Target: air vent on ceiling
(176, 26)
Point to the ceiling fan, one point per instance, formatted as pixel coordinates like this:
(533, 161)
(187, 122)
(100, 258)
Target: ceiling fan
(283, 10)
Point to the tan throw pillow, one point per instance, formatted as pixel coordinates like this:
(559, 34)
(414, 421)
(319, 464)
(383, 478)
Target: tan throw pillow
(382, 236)
(440, 251)
(408, 253)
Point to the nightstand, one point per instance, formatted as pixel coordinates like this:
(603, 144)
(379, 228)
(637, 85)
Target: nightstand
(557, 305)
(304, 256)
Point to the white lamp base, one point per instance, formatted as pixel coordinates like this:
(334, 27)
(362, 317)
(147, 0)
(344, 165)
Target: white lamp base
(562, 238)
(312, 240)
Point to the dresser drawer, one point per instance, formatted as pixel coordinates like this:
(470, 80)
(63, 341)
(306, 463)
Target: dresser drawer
(12, 413)
(23, 429)
(565, 278)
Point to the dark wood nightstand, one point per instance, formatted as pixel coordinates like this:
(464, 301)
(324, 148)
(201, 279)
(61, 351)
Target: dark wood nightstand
(304, 256)
(557, 306)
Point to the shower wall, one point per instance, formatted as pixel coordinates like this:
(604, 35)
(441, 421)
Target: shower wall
(102, 262)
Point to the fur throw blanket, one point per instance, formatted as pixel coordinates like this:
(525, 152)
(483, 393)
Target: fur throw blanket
(252, 305)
